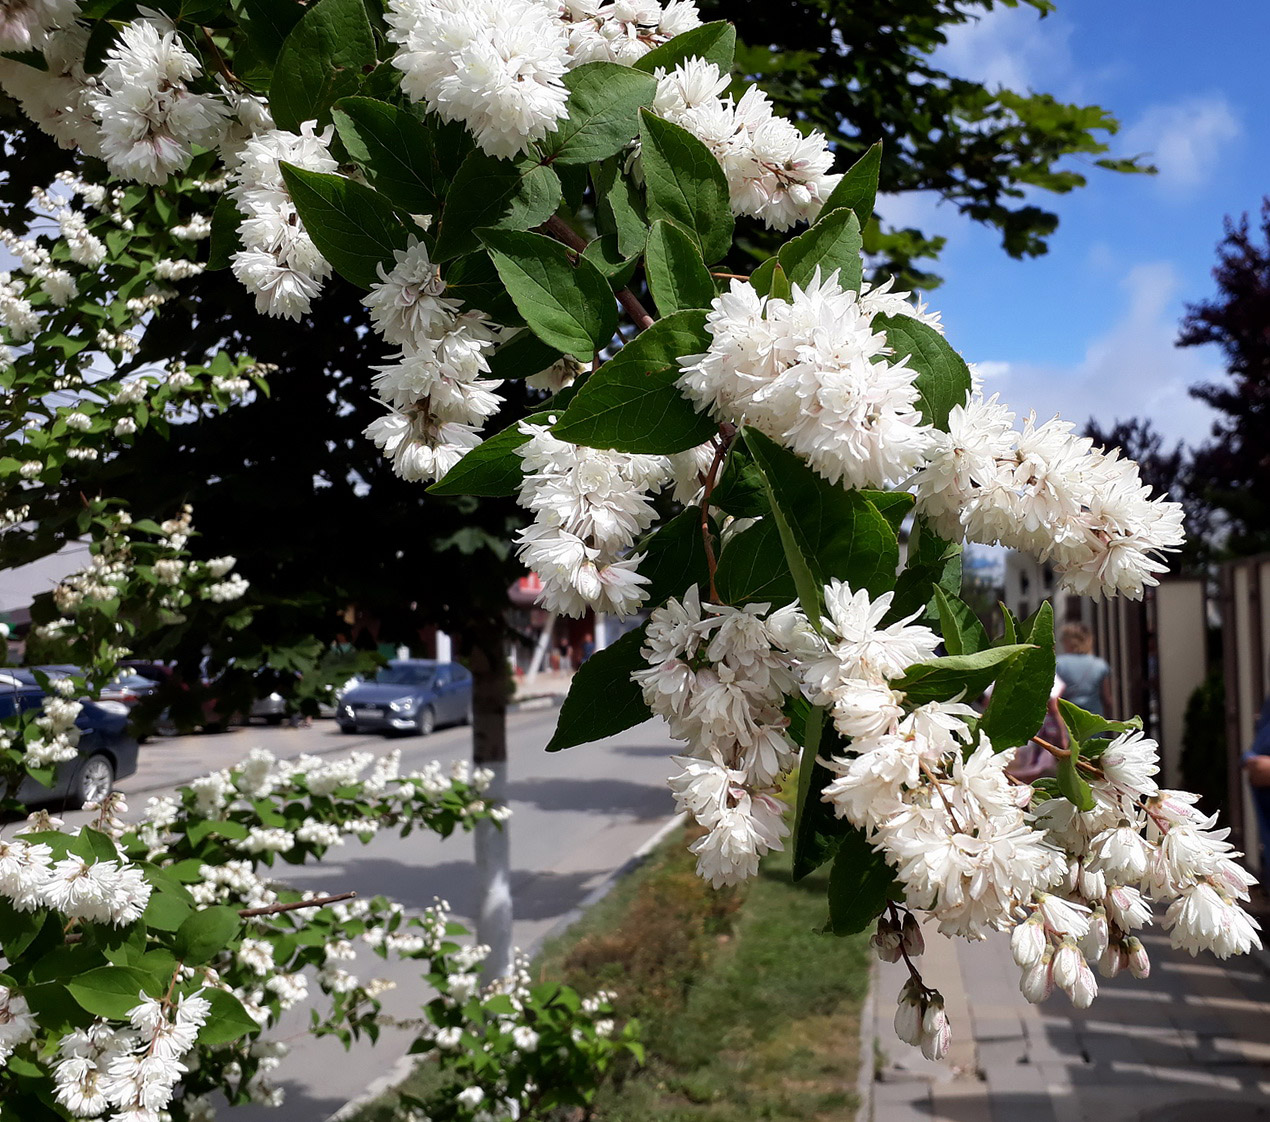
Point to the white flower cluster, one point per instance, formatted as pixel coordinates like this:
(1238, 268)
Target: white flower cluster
(813, 374)
(589, 506)
(495, 65)
(774, 172)
(623, 31)
(279, 262)
(1048, 492)
(92, 891)
(59, 98)
(17, 1026)
(58, 737)
(16, 312)
(24, 24)
(434, 388)
(149, 117)
(719, 676)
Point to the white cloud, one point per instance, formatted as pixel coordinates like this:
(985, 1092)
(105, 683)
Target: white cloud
(1012, 47)
(1185, 140)
(1132, 370)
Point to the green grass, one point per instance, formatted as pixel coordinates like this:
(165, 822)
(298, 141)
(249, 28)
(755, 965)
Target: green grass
(747, 1012)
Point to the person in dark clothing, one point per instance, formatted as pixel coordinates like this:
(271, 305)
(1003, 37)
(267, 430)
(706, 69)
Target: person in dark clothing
(1257, 768)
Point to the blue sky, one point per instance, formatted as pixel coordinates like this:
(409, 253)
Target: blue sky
(1089, 328)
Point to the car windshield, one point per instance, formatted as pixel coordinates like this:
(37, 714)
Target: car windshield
(129, 681)
(404, 676)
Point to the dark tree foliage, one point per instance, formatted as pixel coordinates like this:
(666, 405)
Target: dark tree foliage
(1234, 465)
(1167, 470)
(861, 71)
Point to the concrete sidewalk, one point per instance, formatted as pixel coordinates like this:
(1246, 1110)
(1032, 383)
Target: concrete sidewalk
(1192, 1038)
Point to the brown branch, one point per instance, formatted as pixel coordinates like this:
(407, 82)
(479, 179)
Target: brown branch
(731, 276)
(1063, 753)
(913, 971)
(316, 902)
(219, 59)
(559, 229)
(939, 789)
(711, 478)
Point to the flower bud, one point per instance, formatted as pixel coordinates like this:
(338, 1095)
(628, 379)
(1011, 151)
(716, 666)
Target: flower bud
(936, 1030)
(1027, 941)
(1112, 960)
(1094, 941)
(1063, 916)
(1085, 987)
(908, 1016)
(1037, 982)
(1067, 960)
(1091, 885)
(1138, 962)
(911, 935)
(886, 940)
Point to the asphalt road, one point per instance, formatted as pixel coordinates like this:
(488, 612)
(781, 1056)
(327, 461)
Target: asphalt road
(577, 817)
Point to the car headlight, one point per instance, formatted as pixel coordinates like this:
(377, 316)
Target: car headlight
(116, 707)
(404, 704)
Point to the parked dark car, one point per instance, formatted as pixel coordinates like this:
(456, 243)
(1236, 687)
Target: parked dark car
(107, 750)
(409, 695)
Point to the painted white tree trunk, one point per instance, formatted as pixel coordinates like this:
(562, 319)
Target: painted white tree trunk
(493, 878)
(540, 651)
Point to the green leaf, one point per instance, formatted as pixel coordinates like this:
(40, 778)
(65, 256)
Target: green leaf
(827, 532)
(962, 630)
(714, 42)
(894, 506)
(859, 885)
(566, 302)
(677, 276)
(492, 469)
(619, 208)
(740, 491)
(480, 196)
(603, 112)
(932, 561)
(205, 934)
(111, 991)
(1020, 698)
(394, 149)
(323, 59)
(18, 929)
(537, 197)
(603, 700)
(675, 557)
(943, 378)
(353, 226)
(769, 279)
(833, 244)
(685, 185)
(1083, 726)
(753, 569)
(522, 356)
(606, 255)
(227, 1021)
(632, 403)
(224, 242)
(817, 830)
(858, 188)
(1074, 788)
(944, 678)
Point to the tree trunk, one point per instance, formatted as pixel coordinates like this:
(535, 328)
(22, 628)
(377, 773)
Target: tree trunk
(489, 750)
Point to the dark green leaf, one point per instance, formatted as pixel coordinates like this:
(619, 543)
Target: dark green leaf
(227, 1021)
(632, 402)
(1020, 698)
(323, 59)
(714, 42)
(675, 557)
(943, 377)
(603, 700)
(522, 356)
(536, 199)
(394, 149)
(769, 279)
(603, 112)
(353, 226)
(740, 491)
(753, 568)
(894, 506)
(932, 561)
(165, 912)
(817, 830)
(677, 276)
(858, 188)
(685, 185)
(492, 469)
(944, 678)
(480, 196)
(111, 991)
(223, 243)
(18, 929)
(859, 885)
(619, 208)
(1083, 726)
(962, 630)
(1073, 787)
(205, 934)
(567, 303)
(604, 253)
(832, 245)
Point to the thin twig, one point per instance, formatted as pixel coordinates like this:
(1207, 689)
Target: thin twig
(913, 971)
(942, 797)
(316, 902)
(1064, 753)
(559, 229)
(711, 478)
(731, 276)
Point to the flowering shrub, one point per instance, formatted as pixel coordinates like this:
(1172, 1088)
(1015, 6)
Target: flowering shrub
(439, 155)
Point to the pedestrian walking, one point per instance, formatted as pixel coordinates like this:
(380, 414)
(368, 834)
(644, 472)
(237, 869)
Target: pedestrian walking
(1086, 677)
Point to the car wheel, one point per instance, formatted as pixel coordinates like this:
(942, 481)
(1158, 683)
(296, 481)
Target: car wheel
(95, 781)
(347, 728)
(274, 719)
(426, 721)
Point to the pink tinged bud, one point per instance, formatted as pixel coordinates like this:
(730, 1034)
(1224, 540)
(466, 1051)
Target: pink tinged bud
(936, 1030)
(1085, 988)
(1067, 963)
(886, 941)
(1095, 940)
(1112, 961)
(908, 1016)
(1037, 982)
(911, 934)
(1027, 942)
(1138, 962)
(1092, 885)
